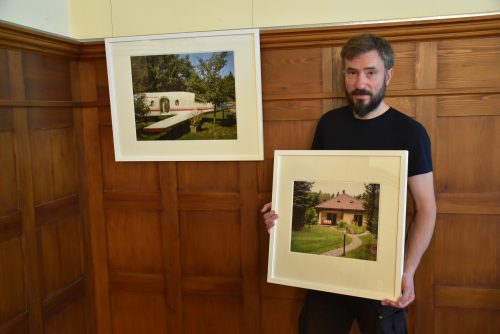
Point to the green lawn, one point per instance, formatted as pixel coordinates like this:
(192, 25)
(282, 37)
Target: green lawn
(317, 240)
(209, 131)
(363, 252)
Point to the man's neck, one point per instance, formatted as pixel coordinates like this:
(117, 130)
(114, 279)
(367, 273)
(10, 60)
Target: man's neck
(382, 108)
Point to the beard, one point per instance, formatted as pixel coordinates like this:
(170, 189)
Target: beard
(360, 108)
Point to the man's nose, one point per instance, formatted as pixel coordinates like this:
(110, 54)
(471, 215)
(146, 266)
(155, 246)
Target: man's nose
(361, 81)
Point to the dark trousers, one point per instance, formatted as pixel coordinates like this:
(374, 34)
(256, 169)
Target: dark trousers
(329, 313)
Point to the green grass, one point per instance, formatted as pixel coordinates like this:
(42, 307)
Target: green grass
(355, 229)
(317, 240)
(363, 252)
(209, 131)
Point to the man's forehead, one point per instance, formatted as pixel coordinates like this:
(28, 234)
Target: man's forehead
(370, 59)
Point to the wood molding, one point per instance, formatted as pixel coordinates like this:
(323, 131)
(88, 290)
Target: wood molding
(57, 210)
(393, 31)
(63, 298)
(390, 93)
(18, 325)
(11, 226)
(24, 39)
(212, 285)
(466, 297)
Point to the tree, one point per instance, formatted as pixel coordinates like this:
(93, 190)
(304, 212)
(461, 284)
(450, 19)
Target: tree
(302, 200)
(371, 205)
(311, 216)
(141, 108)
(211, 81)
(161, 73)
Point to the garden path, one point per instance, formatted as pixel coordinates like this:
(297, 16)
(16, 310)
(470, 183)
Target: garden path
(355, 243)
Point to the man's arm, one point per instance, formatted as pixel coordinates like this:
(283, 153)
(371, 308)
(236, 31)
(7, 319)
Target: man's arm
(419, 235)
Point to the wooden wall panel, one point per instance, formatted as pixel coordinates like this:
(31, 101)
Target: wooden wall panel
(41, 239)
(213, 314)
(477, 105)
(291, 72)
(54, 164)
(125, 176)
(13, 301)
(459, 168)
(70, 320)
(134, 312)
(469, 63)
(8, 190)
(135, 240)
(60, 254)
(404, 66)
(465, 321)
(46, 77)
(200, 176)
(210, 245)
(463, 239)
(4, 74)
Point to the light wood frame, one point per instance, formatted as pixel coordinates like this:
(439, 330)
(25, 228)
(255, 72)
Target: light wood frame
(378, 279)
(245, 45)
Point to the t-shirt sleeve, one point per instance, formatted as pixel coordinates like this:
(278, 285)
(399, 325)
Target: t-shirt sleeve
(317, 143)
(420, 156)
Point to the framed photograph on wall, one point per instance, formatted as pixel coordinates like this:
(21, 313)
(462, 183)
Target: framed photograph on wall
(341, 222)
(186, 96)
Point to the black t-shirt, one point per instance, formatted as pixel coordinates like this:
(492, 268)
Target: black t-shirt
(338, 129)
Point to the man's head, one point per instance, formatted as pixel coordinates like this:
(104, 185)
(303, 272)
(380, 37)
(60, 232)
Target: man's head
(367, 60)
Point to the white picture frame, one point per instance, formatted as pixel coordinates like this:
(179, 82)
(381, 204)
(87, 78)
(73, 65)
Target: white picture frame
(377, 279)
(244, 47)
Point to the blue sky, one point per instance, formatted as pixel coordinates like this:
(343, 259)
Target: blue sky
(193, 57)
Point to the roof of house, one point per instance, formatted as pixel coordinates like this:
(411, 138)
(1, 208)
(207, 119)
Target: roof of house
(342, 202)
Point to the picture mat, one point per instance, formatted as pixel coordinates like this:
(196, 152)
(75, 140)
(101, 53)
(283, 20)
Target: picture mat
(378, 279)
(244, 44)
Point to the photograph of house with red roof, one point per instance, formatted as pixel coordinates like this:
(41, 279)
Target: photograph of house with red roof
(335, 218)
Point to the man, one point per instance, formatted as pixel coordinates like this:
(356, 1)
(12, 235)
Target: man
(368, 123)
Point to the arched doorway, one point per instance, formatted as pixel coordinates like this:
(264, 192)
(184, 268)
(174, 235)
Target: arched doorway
(164, 105)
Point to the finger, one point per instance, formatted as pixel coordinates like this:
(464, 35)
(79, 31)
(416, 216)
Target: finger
(266, 207)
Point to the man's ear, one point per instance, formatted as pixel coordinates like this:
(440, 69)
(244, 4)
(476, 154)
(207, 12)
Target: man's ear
(388, 76)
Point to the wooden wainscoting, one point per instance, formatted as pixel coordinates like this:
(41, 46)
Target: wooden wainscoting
(44, 276)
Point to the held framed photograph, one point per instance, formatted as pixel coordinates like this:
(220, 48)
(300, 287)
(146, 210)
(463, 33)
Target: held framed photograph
(341, 222)
(186, 96)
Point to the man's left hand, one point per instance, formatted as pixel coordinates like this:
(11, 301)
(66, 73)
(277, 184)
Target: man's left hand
(407, 296)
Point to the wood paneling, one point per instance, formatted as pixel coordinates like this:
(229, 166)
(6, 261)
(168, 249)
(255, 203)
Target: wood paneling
(143, 251)
(467, 238)
(210, 245)
(134, 312)
(468, 154)
(42, 280)
(13, 301)
(129, 176)
(465, 321)
(465, 63)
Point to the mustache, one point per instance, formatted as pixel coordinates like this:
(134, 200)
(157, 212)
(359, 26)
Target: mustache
(360, 92)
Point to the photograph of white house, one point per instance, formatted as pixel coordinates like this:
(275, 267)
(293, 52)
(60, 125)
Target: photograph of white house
(188, 96)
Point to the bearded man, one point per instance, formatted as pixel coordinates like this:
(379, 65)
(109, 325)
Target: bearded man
(368, 123)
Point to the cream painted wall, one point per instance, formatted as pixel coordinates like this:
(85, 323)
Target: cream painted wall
(90, 18)
(299, 12)
(85, 19)
(128, 17)
(47, 15)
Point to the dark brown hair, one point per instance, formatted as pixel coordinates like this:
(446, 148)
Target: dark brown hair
(363, 43)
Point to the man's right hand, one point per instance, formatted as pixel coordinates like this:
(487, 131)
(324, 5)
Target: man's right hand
(269, 216)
